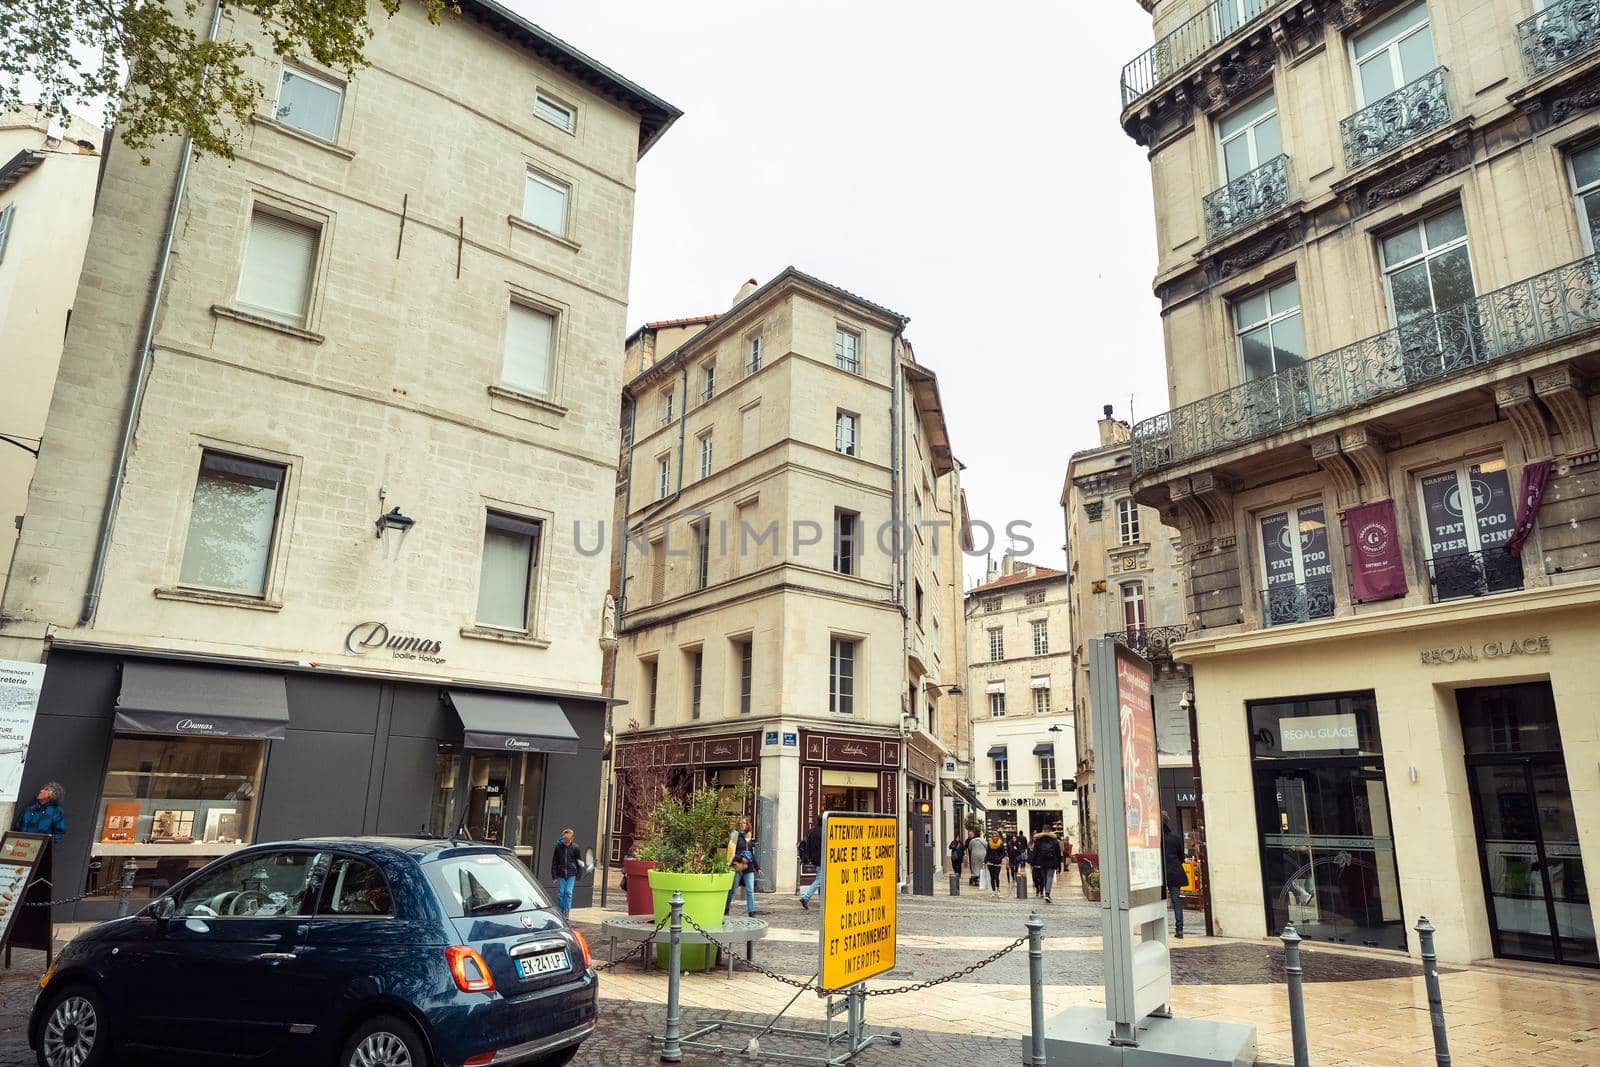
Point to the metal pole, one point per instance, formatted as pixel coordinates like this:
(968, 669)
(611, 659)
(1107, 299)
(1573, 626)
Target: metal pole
(130, 869)
(1430, 975)
(672, 1044)
(1297, 1006)
(955, 884)
(1022, 884)
(1036, 985)
(605, 842)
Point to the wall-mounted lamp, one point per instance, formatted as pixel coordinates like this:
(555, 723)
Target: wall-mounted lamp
(393, 520)
(954, 691)
(1186, 702)
(1056, 729)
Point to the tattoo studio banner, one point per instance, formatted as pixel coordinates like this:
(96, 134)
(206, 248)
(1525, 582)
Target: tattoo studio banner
(1376, 571)
(1535, 476)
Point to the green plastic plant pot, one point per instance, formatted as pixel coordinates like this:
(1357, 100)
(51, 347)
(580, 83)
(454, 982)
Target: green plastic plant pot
(704, 896)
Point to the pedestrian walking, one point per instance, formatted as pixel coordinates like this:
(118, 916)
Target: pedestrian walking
(1172, 860)
(958, 852)
(812, 847)
(1019, 857)
(1046, 858)
(566, 867)
(46, 815)
(994, 859)
(742, 858)
(977, 853)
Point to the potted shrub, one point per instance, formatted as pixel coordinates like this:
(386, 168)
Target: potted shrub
(687, 841)
(1091, 885)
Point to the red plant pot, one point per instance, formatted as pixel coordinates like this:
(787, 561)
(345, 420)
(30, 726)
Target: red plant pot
(640, 900)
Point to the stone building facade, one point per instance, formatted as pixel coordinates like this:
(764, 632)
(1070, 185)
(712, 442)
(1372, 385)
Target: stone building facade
(339, 588)
(789, 575)
(1377, 271)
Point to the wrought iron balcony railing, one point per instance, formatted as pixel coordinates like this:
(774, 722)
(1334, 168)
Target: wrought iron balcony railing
(1469, 574)
(1395, 120)
(1298, 603)
(1247, 198)
(1552, 306)
(1556, 36)
(1216, 22)
(1150, 640)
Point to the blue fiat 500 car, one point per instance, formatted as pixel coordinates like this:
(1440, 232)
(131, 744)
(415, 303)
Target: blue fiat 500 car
(358, 952)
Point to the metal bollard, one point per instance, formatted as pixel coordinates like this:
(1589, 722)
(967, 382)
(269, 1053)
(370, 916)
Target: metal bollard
(1022, 886)
(1297, 1004)
(1430, 977)
(1036, 986)
(130, 870)
(672, 1043)
(955, 885)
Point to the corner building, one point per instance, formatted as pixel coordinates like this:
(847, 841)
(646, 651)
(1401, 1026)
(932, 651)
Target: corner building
(337, 591)
(1381, 306)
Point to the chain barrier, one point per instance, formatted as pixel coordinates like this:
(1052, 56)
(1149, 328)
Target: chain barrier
(636, 952)
(90, 895)
(891, 991)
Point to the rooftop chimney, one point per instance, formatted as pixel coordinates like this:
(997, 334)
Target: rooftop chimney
(1113, 431)
(750, 285)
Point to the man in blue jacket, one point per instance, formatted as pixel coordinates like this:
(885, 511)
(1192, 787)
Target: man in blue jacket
(566, 867)
(45, 815)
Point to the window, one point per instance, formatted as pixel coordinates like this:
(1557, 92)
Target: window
(916, 510)
(997, 645)
(309, 104)
(1295, 561)
(280, 259)
(663, 475)
(1248, 138)
(530, 336)
(650, 673)
(1047, 770)
(1268, 330)
(746, 674)
(1427, 269)
(1002, 776)
(697, 665)
(991, 603)
(846, 541)
(554, 112)
(355, 887)
(1127, 522)
(750, 429)
(709, 373)
(1041, 698)
(752, 355)
(1470, 512)
(505, 580)
(1133, 607)
(932, 717)
(997, 704)
(658, 571)
(1395, 52)
(544, 203)
(1583, 167)
(1041, 638)
(704, 441)
(702, 554)
(1035, 596)
(845, 428)
(667, 398)
(6, 214)
(919, 601)
(231, 523)
(842, 676)
(265, 885)
(847, 350)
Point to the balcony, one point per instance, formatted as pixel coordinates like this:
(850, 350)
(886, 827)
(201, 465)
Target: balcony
(1247, 198)
(1283, 604)
(1395, 120)
(1562, 32)
(1152, 641)
(1473, 574)
(1193, 39)
(1553, 306)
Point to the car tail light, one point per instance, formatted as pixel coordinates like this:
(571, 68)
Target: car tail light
(583, 943)
(482, 1057)
(468, 969)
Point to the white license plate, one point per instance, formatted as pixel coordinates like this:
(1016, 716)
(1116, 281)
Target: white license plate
(544, 963)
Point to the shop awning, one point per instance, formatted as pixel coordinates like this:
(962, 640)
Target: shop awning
(956, 787)
(517, 723)
(1044, 748)
(173, 698)
(997, 750)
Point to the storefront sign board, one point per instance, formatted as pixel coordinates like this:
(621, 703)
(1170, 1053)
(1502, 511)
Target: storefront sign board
(20, 684)
(1319, 733)
(24, 877)
(1376, 571)
(860, 858)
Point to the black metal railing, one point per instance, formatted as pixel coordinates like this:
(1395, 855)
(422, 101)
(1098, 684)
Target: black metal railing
(1552, 306)
(1247, 198)
(1150, 640)
(1468, 574)
(1395, 120)
(1215, 23)
(1557, 35)
(1298, 603)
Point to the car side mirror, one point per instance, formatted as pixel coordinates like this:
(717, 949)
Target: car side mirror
(163, 909)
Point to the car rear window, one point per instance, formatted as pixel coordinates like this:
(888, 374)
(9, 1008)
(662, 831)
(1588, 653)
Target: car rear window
(485, 883)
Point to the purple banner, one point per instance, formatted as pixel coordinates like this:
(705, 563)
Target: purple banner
(1376, 572)
(1535, 476)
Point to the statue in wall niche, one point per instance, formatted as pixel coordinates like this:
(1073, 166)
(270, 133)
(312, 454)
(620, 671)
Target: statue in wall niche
(608, 619)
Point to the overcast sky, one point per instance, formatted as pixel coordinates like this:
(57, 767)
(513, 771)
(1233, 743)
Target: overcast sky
(959, 164)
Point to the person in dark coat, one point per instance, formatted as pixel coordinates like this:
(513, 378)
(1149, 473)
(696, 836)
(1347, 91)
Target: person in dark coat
(1019, 856)
(1176, 879)
(1046, 858)
(566, 867)
(958, 852)
(813, 856)
(46, 814)
(994, 859)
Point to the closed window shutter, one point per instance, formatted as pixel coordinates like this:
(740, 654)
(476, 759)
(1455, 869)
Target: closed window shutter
(5, 227)
(528, 337)
(504, 577)
(278, 262)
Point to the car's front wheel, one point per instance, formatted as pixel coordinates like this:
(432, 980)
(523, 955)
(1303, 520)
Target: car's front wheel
(387, 1041)
(74, 1032)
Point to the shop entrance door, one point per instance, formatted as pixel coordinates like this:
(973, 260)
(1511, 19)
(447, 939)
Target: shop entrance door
(1537, 894)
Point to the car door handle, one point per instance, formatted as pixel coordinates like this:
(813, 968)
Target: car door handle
(274, 957)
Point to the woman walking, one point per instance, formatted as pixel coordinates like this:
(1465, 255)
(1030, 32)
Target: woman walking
(994, 858)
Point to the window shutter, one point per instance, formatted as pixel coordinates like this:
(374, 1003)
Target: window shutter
(278, 263)
(528, 340)
(5, 227)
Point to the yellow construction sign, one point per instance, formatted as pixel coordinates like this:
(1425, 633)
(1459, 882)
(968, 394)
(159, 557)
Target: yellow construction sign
(860, 855)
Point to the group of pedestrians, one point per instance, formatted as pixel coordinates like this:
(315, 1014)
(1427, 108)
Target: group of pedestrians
(1014, 855)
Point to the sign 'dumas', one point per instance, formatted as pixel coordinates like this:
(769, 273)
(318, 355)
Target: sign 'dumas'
(366, 636)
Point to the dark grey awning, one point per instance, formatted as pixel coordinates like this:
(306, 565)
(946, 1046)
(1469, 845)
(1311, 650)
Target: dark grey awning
(173, 698)
(958, 788)
(517, 723)
(997, 750)
(1044, 748)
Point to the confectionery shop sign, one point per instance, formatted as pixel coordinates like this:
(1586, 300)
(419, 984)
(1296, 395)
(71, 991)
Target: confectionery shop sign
(1538, 645)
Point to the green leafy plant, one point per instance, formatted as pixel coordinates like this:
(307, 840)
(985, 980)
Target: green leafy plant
(690, 835)
(1093, 881)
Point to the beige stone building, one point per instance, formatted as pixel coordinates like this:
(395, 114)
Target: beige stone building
(47, 181)
(301, 554)
(789, 579)
(1125, 574)
(1019, 683)
(1376, 268)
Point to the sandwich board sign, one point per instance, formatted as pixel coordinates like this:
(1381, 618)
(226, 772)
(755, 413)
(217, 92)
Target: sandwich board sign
(860, 855)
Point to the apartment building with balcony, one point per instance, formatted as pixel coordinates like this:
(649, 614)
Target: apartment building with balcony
(299, 554)
(1125, 582)
(1381, 304)
(1019, 685)
(789, 573)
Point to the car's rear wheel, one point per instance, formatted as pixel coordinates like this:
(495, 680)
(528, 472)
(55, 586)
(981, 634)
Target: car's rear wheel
(74, 1032)
(387, 1041)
